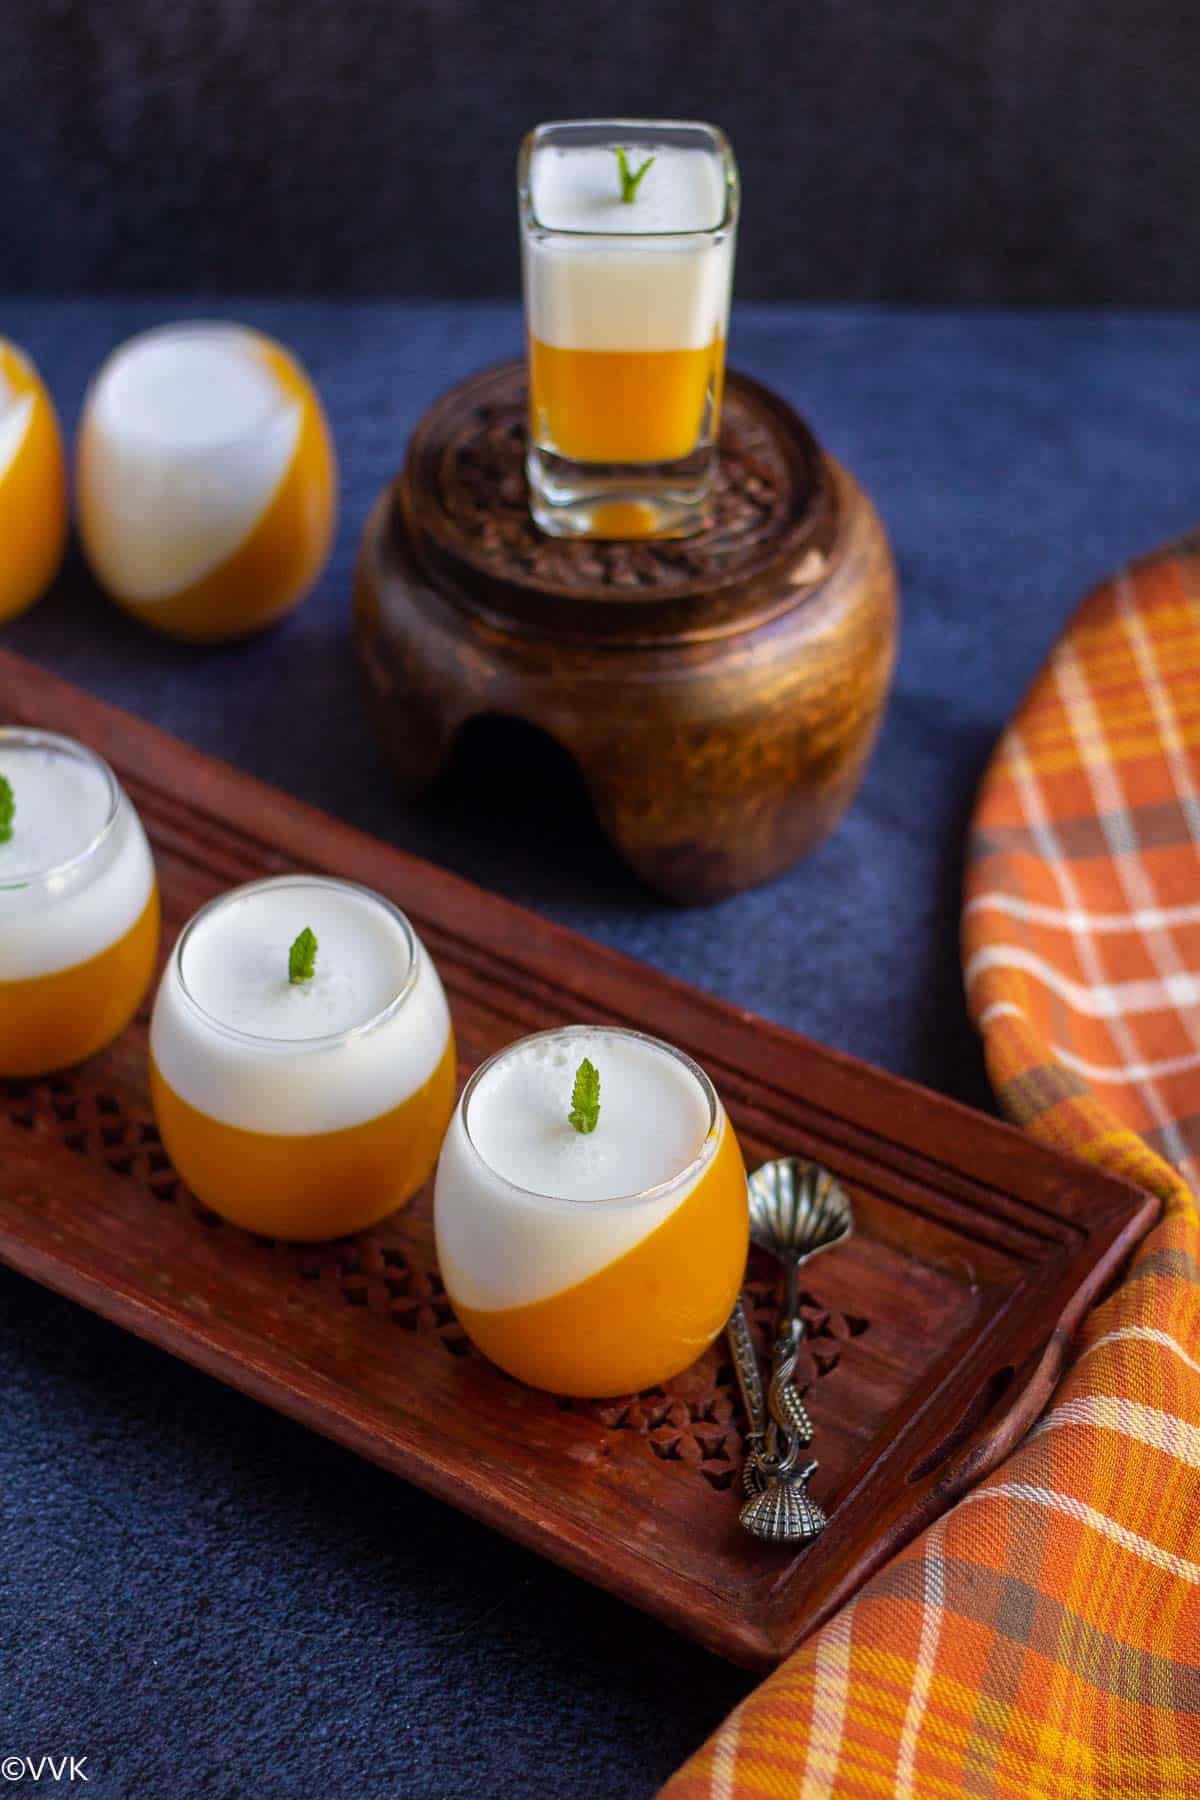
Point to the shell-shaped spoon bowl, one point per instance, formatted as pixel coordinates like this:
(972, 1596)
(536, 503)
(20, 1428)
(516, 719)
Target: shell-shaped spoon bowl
(784, 1512)
(798, 1208)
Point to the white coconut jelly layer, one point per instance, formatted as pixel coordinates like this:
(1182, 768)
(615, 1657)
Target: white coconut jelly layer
(625, 288)
(525, 1205)
(77, 873)
(187, 435)
(236, 1039)
(16, 410)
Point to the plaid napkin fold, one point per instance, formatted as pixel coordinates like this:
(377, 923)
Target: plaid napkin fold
(1043, 1639)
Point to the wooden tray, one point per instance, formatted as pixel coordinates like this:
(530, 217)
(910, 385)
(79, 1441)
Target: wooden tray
(934, 1335)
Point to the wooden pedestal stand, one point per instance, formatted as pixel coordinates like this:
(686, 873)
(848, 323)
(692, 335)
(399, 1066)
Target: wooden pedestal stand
(720, 693)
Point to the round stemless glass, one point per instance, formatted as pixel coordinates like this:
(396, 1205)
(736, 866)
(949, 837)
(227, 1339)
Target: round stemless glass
(33, 484)
(593, 1297)
(212, 526)
(78, 934)
(304, 1138)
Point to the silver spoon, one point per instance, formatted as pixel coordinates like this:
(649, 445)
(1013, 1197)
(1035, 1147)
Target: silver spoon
(797, 1209)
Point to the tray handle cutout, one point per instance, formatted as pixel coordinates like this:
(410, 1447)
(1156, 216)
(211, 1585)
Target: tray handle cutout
(992, 1423)
(976, 1411)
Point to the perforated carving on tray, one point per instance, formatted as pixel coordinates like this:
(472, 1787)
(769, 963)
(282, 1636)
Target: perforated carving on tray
(98, 1124)
(693, 1420)
(387, 1280)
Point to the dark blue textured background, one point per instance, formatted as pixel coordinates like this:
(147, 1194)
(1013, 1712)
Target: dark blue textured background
(208, 1601)
(941, 151)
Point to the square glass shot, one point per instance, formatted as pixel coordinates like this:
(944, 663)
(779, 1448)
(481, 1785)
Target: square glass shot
(628, 228)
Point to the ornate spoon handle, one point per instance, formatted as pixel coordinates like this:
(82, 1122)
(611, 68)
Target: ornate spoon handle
(749, 1377)
(787, 1413)
(786, 1410)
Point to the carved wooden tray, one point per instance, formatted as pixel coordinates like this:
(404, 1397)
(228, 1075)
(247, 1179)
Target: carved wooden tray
(934, 1335)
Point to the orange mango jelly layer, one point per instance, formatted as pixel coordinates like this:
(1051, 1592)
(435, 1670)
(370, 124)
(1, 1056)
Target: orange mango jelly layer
(645, 1316)
(273, 569)
(620, 406)
(308, 1187)
(54, 1021)
(33, 499)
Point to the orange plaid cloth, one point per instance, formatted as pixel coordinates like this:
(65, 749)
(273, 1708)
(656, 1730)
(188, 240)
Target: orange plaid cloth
(1044, 1637)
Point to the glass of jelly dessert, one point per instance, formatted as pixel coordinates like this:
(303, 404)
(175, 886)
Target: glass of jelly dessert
(206, 480)
(79, 910)
(302, 1062)
(591, 1211)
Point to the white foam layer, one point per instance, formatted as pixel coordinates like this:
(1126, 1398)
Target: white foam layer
(579, 189)
(16, 410)
(54, 921)
(236, 961)
(501, 1246)
(186, 437)
(654, 1116)
(631, 291)
(289, 1082)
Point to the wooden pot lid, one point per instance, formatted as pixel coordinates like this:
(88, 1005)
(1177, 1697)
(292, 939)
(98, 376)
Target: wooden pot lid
(461, 503)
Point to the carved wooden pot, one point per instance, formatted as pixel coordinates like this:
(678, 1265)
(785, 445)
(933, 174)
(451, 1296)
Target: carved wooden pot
(720, 694)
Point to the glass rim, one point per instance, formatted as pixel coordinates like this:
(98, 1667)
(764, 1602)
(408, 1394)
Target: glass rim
(720, 143)
(282, 403)
(326, 1040)
(31, 737)
(643, 1196)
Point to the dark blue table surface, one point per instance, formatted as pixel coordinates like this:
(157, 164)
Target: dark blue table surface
(203, 1598)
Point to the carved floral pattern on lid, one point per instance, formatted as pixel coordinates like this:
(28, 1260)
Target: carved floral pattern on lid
(464, 490)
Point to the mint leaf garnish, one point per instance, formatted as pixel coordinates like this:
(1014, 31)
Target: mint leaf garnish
(630, 181)
(302, 958)
(585, 1097)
